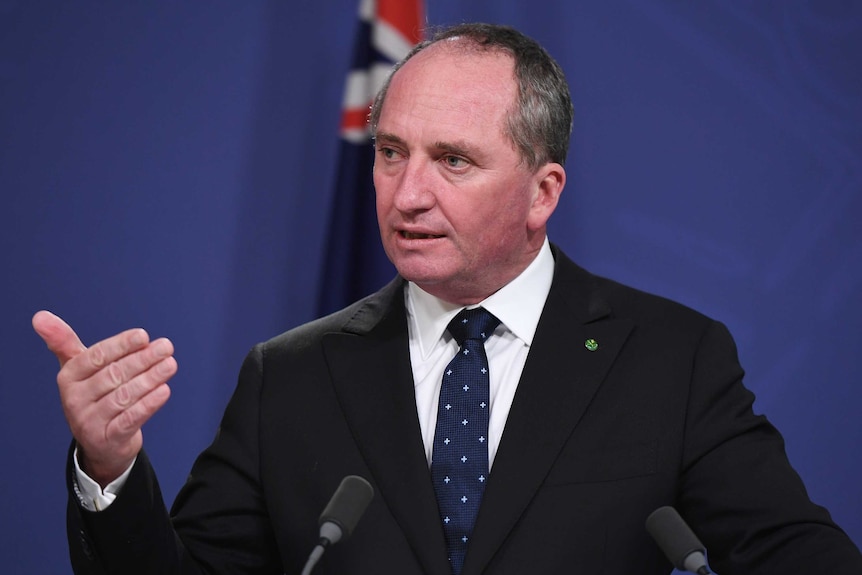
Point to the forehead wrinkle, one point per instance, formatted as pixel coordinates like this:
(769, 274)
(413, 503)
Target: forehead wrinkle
(431, 83)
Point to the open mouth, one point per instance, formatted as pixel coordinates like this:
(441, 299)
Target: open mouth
(418, 236)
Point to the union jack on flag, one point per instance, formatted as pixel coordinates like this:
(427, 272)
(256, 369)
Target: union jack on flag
(355, 264)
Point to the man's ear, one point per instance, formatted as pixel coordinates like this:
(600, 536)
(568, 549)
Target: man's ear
(550, 180)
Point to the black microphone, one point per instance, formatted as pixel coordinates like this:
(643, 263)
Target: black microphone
(677, 540)
(340, 516)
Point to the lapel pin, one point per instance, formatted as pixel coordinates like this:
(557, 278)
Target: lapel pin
(591, 344)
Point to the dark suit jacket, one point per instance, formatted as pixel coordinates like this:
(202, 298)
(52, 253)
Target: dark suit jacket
(595, 440)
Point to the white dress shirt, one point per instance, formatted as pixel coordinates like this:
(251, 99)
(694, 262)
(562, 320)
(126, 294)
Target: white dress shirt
(517, 305)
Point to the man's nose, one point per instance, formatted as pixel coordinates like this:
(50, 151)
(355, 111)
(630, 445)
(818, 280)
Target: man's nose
(415, 190)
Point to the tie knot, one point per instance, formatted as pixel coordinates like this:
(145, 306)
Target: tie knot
(477, 323)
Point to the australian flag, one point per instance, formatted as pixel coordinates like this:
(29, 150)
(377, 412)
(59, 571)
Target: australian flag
(355, 264)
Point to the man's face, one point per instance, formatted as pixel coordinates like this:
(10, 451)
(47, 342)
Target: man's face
(459, 213)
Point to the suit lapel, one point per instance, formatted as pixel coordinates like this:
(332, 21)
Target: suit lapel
(560, 378)
(370, 366)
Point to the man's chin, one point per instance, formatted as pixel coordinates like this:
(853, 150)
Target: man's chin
(421, 275)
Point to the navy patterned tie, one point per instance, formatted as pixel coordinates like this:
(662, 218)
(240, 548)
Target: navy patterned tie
(459, 466)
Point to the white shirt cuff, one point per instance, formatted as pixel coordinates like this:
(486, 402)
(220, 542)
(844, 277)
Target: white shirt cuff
(90, 493)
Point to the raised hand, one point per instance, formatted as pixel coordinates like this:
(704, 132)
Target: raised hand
(108, 391)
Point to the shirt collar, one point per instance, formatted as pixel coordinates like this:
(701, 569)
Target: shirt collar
(518, 305)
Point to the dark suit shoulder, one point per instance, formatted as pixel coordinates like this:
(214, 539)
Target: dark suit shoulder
(601, 297)
(633, 302)
(360, 317)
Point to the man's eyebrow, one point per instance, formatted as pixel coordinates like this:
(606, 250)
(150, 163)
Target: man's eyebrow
(389, 138)
(456, 148)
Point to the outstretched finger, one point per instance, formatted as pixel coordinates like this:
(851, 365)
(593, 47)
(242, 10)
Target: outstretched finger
(128, 421)
(138, 387)
(127, 370)
(104, 354)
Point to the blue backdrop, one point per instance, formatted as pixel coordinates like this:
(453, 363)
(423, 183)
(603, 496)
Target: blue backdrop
(171, 166)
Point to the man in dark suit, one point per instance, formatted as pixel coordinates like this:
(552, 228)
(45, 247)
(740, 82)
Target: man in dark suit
(605, 403)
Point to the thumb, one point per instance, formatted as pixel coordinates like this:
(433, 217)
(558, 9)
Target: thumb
(58, 335)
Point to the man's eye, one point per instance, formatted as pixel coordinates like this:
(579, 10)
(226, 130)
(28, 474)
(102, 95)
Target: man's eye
(387, 153)
(455, 162)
